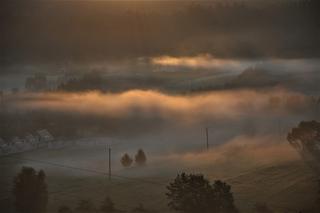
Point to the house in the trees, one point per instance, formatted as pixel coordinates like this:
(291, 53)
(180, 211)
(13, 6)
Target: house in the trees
(31, 140)
(17, 144)
(44, 137)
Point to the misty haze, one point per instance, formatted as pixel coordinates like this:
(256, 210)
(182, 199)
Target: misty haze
(159, 106)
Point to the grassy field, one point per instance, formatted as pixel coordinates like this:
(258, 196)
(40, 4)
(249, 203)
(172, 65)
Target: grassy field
(285, 187)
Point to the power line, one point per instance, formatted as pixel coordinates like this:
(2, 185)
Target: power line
(77, 196)
(87, 170)
(83, 170)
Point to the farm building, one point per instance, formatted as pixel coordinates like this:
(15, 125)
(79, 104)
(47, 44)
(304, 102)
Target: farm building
(30, 139)
(44, 135)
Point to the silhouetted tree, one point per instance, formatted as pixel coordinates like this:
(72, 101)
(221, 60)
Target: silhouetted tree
(319, 190)
(305, 139)
(317, 203)
(223, 197)
(85, 206)
(189, 193)
(107, 205)
(261, 208)
(193, 194)
(140, 157)
(30, 191)
(64, 209)
(126, 160)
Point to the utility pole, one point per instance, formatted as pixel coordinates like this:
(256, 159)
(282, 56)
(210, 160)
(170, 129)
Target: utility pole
(207, 137)
(1, 99)
(109, 156)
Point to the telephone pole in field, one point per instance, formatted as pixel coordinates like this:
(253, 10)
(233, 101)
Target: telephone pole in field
(109, 162)
(207, 137)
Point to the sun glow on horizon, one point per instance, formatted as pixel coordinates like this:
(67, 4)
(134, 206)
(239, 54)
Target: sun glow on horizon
(206, 61)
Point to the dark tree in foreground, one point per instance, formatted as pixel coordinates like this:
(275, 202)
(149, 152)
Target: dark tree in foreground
(107, 205)
(126, 160)
(64, 209)
(85, 206)
(223, 197)
(306, 140)
(193, 194)
(30, 191)
(317, 203)
(140, 157)
(189, 193)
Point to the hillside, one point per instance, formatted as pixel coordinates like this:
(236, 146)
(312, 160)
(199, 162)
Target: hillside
(285, 187)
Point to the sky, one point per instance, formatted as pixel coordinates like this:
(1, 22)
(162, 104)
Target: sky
(141, 38)
(59, 32)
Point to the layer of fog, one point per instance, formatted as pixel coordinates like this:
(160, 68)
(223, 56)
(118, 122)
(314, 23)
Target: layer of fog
(207, 61)
(183, 109)
(164, 68)
(177, 63)
(172, 127)
(238, 155)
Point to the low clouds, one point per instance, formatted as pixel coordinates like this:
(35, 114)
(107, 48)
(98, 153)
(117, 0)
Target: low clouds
(153, 104)
(204, 61)
(246, 128)
(239, 154)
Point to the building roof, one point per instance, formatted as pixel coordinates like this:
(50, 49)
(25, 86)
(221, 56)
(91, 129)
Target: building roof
(30, 138)
(45, 135)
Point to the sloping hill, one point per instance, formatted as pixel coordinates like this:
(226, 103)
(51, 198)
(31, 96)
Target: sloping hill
(289, 187)
(253, 78)
(285, 187)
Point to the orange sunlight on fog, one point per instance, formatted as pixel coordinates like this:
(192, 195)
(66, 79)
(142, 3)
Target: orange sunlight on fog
(202, 61)
(148, 104)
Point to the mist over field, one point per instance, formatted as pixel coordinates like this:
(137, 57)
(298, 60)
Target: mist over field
(118, 113)
(159, 106)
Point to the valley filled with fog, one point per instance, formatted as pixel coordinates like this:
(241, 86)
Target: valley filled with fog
(116, 99)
